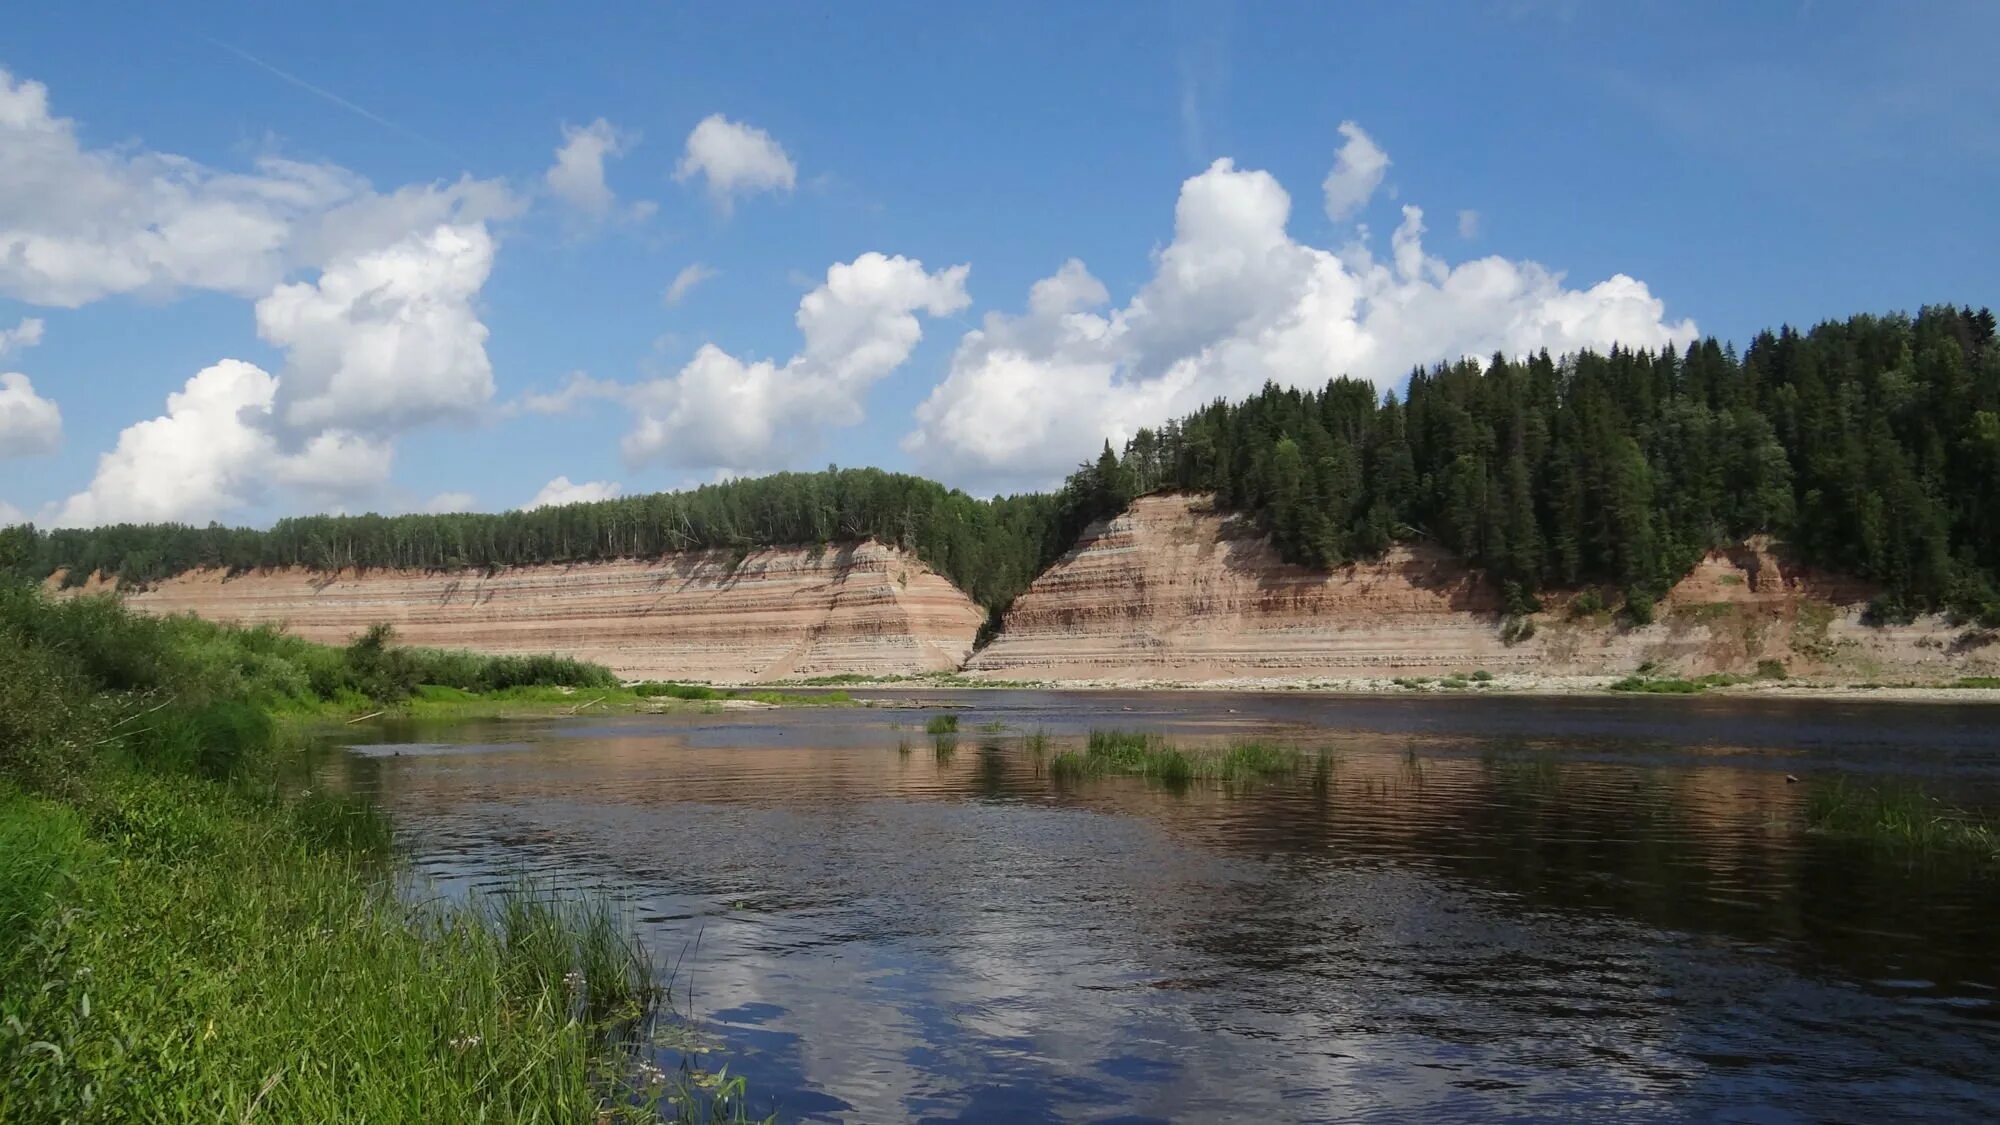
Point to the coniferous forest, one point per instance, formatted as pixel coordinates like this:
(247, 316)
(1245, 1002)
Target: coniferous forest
(1869, 447)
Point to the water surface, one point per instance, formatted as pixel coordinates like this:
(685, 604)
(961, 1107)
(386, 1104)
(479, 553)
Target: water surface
(1492, 908)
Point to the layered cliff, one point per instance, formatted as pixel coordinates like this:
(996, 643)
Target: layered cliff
(704, 615)
(1173, 589)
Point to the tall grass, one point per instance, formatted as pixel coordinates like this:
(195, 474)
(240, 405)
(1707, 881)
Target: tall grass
(941, 724)
(1902, 817)
(183, 937)
(1134, 753)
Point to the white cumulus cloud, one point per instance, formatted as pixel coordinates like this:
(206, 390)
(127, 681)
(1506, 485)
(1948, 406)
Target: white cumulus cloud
(735, 160)
(684, 282)
(449, 502)
(1357, 171)
(577, 177)
(213, 452)
(380, 335)
(26, 334)
(1235, 302)
(723, 411)
(29, 423)
(562, 491)
(385, 340)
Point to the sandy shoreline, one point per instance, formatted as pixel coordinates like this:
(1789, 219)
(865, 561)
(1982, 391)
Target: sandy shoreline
(1503, 684)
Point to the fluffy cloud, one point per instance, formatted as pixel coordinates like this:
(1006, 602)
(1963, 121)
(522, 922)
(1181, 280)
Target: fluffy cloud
(29, 423)
(735, 159)
(78, 224)
(384, 340)
(213, 451)
(385, 336)
(727, 412)
(1235, 302)
(449, 502)
(685, 281)
(562, 491)
(1357, 171)
(577, 177)
(26, 334)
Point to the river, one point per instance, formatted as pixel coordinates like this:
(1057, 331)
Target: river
(1491, 908)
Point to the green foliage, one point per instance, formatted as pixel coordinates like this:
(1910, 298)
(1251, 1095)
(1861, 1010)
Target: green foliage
(1148, 755)
(1644, 683)
(181, 939)
(677, 691)
(1902, 817)
(941, 724)
(1869, 445)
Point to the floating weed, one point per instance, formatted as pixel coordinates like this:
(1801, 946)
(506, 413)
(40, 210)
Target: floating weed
(1903, 817)
(1148, 755)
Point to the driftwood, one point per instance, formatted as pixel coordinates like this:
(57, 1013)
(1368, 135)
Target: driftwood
(361, 718)
(582, 706)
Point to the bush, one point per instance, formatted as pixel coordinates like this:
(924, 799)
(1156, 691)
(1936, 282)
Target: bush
(1638, 607)
(1586, 604)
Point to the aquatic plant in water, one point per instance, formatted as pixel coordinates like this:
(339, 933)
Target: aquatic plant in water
(1900, 816)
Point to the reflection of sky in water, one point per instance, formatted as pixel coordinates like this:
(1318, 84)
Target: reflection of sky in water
(1613, 918)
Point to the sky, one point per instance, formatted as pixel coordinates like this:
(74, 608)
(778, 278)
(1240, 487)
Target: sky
(259, 260)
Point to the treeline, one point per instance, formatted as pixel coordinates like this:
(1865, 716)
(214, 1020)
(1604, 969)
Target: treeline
(1871, 446)
(990, 549)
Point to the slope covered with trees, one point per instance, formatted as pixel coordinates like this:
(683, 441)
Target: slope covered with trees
(1870, 446)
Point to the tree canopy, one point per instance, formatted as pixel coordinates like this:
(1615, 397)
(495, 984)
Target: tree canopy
(1871, 446)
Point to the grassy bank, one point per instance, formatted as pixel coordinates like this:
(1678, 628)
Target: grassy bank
(1130, 753)
(184, 935)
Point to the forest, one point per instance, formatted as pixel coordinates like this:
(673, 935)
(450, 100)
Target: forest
(1869, 447)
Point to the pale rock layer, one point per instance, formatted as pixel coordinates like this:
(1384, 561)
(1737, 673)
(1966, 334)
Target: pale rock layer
(1173, 589)
(700, 615)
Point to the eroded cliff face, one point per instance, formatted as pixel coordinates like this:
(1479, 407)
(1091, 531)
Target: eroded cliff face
(1175, 590)
(862, 608)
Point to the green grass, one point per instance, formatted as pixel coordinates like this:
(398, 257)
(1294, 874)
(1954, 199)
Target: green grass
(188, 933)
(1975, 682)
(1647, 684)
(1131, 753)
(1901, 817)
(941, 724)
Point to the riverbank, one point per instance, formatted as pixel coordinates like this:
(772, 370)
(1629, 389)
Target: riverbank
(190, 932)
(1470, 681)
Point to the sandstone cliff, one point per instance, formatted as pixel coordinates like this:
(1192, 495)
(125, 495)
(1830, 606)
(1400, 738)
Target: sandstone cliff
(862, 608)
(1174, 590)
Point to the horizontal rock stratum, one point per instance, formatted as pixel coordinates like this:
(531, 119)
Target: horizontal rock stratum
(701, 615)
(1174, 589)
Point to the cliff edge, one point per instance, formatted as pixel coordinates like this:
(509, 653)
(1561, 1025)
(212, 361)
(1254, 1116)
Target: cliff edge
(1174, 589)
(860, 608)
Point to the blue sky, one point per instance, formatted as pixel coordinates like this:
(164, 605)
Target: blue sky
(340, 223)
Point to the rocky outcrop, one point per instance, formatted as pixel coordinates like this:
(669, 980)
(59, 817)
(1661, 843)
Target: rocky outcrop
(1174, 589)
(861, 608)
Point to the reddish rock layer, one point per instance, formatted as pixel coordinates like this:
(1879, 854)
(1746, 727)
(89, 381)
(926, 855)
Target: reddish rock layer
(862, 608)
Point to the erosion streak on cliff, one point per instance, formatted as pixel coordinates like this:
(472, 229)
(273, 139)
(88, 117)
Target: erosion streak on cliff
(1175, 590)
(863, 608)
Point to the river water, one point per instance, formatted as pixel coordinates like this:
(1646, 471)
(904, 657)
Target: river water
(1491, 908)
